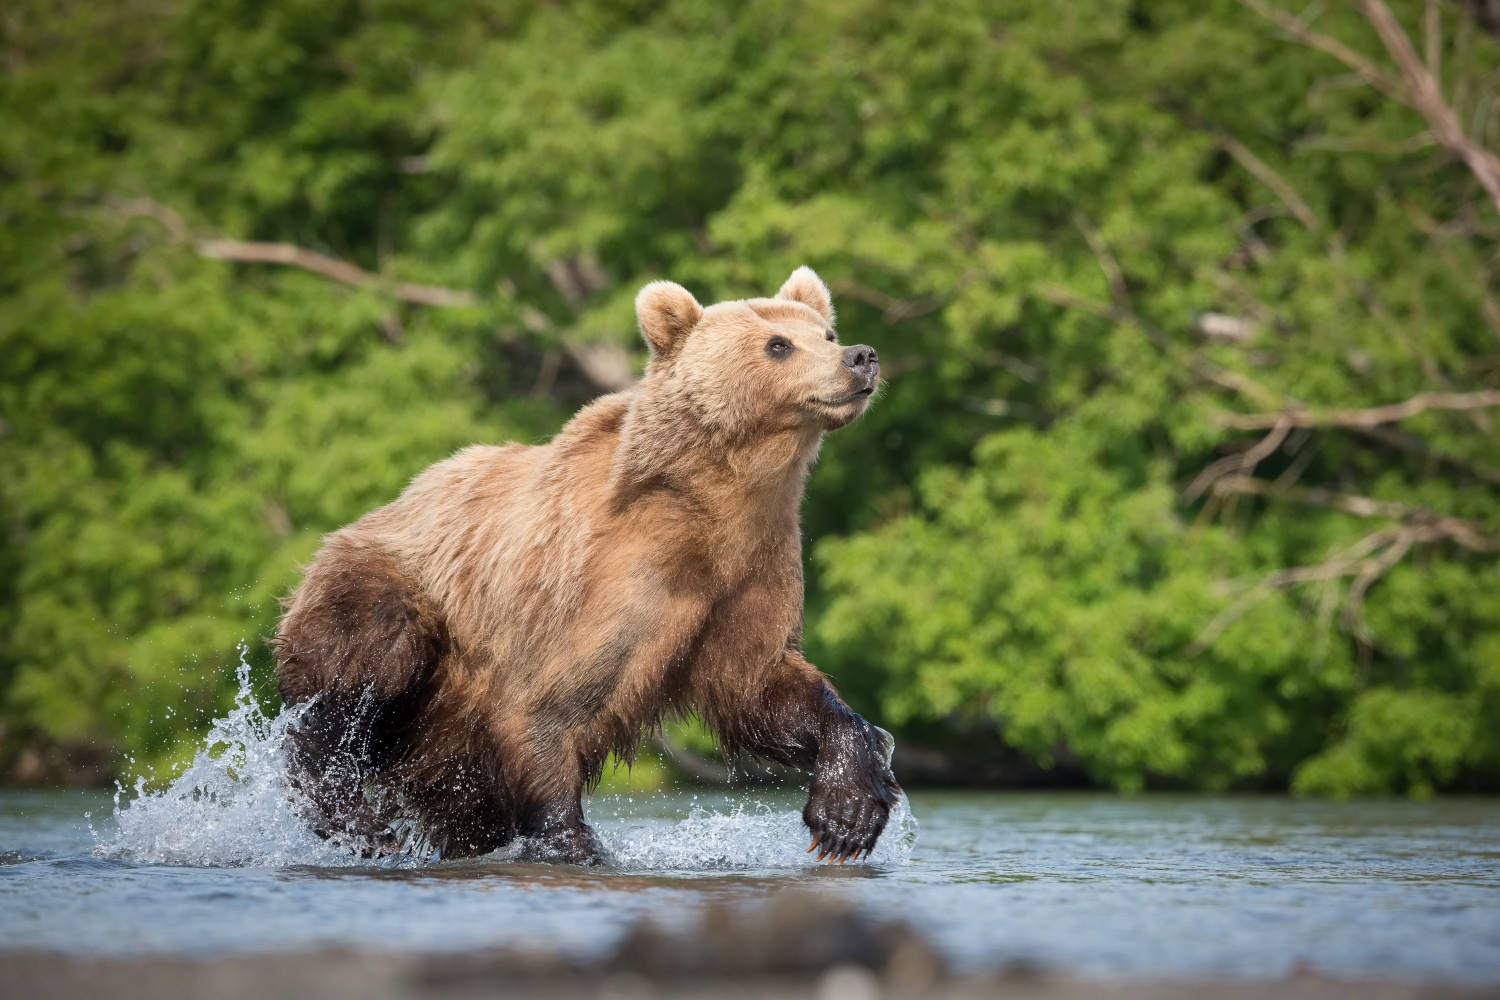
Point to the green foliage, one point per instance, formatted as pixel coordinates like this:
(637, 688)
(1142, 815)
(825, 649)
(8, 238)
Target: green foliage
(1057, 590)
(1024, 206)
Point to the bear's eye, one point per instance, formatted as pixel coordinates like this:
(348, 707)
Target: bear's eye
(828, 335)
(778, 348)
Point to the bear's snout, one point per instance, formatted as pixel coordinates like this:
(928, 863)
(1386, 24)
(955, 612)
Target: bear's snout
(862, 360)
(864, 364)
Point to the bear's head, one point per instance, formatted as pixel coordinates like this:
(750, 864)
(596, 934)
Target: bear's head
(755, 366)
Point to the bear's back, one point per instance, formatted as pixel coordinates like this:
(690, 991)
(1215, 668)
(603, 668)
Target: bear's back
(470, 528)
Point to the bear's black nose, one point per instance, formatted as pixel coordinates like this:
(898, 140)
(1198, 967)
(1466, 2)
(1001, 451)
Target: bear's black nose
(862, 358)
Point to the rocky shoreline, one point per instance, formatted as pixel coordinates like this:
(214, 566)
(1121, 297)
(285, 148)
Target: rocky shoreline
(346, 975)
(797, 946)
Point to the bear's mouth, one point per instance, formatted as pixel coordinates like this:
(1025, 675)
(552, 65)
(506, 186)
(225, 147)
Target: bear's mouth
(864, 393)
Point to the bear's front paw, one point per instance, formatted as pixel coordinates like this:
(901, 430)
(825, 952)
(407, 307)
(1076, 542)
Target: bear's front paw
(845, 822)
(851, 795)
(853, 789)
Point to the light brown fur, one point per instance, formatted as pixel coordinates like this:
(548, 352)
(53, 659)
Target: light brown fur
(476, 648)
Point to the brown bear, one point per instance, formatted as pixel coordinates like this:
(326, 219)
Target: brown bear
(470, 653)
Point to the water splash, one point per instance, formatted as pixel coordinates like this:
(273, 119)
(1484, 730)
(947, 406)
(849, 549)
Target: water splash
(230, 807)
(233, 807)
(753, 837)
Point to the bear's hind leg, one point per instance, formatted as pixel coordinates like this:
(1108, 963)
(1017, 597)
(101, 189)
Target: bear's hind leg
(452, 784)
(329, 764)
(361, 645)
(550, 814)
(555, 833)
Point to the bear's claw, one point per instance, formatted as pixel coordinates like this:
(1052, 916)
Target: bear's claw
(852, 790)
(846, 824)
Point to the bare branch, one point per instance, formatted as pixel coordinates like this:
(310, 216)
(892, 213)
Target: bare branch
(1424, 93)
(1237, 466)
(604, 362)
(893, 310)
(1366, 561)
(1417, 448)
(1059, 296)
(1258, 169)
(1235, 382)
(1369, 572)
(1342, 564)
(1367, 144)
(1224, 328)
(152, 209)
(1460, 531)
(1492, 316)
(290, 255)
(1381, 79)
(1119, 310)
(287, 255)
(1417, 86)
(1107, 263)
(1022, 370)
(1432, 36)
(432, 295)
(577, 279)
(1347, 502)
(1373, 417)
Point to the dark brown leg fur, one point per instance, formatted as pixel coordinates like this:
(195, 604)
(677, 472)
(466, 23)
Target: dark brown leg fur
(334, 752)
(557, 833)
(796, 719)
(356, 627)
(450, 784)
(386, 757)
(361, 646)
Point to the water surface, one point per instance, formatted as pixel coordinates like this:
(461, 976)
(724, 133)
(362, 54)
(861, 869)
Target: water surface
(1091, 885)
(1087, 885)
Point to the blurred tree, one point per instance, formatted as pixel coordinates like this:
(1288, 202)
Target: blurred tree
(1138, 273)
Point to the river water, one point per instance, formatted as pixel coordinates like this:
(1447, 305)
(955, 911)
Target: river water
(1088, 885)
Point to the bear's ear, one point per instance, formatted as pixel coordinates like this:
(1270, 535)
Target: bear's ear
(667, 312)
(806, 287)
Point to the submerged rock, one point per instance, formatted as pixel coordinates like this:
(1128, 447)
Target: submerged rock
(797, 934)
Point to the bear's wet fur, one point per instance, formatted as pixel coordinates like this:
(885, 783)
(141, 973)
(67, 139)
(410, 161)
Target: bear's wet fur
(469, 655)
